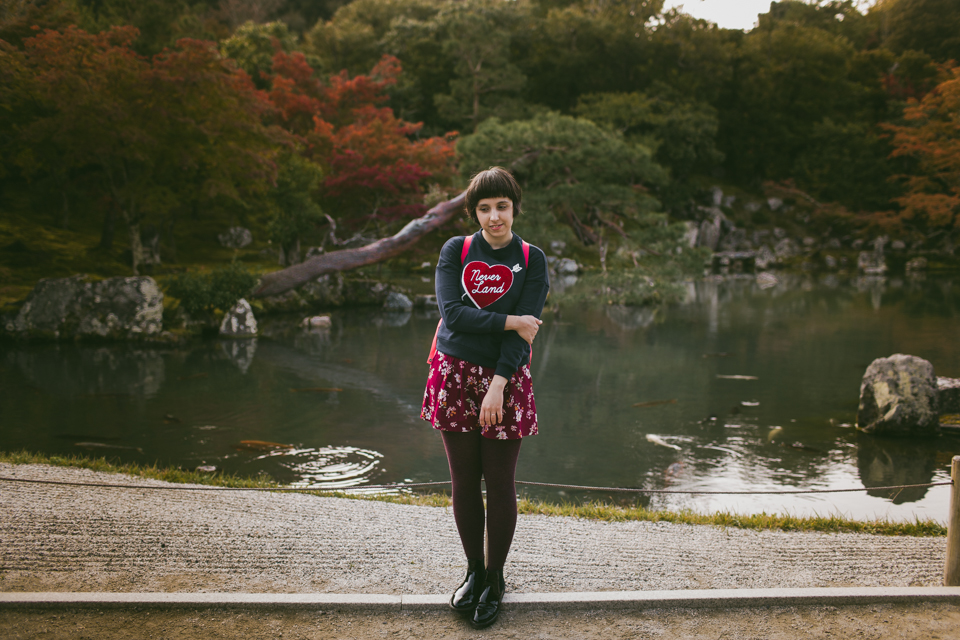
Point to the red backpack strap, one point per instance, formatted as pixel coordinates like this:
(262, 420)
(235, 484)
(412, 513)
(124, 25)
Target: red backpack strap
(466, 249)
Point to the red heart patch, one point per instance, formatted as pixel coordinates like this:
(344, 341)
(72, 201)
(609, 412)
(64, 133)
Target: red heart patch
(485, 284)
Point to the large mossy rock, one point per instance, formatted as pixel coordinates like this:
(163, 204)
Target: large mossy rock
(74, 308)
(898, 396)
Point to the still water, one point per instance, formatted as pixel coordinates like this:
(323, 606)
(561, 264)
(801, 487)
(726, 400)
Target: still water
(740, 388)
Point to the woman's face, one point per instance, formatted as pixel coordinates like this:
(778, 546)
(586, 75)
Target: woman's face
(495, 216)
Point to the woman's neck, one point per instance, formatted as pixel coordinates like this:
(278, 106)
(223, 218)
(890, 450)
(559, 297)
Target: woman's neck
(497, 244)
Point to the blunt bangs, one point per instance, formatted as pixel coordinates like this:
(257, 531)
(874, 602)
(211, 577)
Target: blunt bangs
(495, 182)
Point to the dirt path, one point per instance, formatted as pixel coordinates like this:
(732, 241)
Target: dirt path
(65, 538)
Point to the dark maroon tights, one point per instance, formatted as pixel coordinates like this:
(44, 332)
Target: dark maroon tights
(471, 456)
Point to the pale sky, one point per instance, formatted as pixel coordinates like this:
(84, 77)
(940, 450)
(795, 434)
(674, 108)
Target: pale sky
(730, 14)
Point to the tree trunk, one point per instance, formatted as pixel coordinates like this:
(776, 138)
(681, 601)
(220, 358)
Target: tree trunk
(275, 283)
(108, 230)
(136, 246)
(293, 253)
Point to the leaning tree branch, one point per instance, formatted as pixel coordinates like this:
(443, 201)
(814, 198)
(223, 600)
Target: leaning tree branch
(275, 283)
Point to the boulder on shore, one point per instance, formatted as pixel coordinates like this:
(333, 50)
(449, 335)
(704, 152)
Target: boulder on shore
(74, 308)
(397, 301)
(898, 396)
(239, 322)
(948, 391)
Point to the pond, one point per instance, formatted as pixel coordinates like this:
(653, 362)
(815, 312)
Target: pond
(740, 388)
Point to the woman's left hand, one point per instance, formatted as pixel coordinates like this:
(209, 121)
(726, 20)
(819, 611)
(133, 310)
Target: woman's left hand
(491, 409)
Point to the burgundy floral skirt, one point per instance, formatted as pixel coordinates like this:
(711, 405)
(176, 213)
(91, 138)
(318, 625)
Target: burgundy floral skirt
(455, 391)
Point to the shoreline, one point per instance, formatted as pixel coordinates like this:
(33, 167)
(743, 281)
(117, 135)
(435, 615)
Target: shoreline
(599, 511)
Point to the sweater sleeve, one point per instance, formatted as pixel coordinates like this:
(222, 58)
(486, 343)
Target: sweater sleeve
(457, 315)
(532, 298)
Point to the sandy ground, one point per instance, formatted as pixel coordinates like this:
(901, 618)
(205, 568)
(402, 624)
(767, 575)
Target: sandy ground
(923, 622)
(60, 538)
(65, 538)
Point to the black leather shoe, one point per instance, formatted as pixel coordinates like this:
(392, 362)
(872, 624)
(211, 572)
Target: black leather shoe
(488, 604)
(467, 595)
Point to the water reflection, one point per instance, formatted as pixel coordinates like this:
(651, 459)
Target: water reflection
(90, 371)
(888, 462)
(744, 386)
(240, 352)
(329, 467)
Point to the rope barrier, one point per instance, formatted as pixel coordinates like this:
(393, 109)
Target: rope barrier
(433, 484)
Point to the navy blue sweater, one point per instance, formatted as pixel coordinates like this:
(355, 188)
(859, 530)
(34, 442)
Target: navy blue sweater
(476, 297)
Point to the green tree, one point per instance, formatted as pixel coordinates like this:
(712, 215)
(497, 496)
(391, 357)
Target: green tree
(693, 57)
(788, 78)
(354, 38)
(682, 133)
(160, 23)
(574, 173)
(477, 35)
(847, 162)
(293, 212)
(252, 46)
(931, 26)
(585, 47)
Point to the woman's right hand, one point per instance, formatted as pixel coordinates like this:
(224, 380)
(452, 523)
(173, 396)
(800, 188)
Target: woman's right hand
(526, 326)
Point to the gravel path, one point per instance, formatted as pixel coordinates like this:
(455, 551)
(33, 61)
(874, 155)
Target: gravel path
(55, 538)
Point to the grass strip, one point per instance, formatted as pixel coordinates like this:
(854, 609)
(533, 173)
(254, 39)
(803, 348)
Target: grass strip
(594, 510)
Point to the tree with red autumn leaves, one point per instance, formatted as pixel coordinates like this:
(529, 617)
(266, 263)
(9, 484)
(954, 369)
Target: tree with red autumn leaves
(931, 136)
(375, 168)
(159, 133)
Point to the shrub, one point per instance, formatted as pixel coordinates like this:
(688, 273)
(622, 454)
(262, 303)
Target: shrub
(201, 293)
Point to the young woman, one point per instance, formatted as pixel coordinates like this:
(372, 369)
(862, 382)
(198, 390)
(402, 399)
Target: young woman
(491, 288)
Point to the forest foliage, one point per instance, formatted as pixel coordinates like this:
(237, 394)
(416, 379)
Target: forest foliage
(316, 120)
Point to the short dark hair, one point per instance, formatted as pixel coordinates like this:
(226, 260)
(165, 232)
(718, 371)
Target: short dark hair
(495, 182)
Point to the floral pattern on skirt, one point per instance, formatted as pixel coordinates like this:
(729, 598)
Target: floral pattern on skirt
(455, 391)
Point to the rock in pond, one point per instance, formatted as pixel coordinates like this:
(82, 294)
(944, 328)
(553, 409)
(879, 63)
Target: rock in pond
(397, 301)
(68, 308)
(765, 257)
(239, 321)
(316, 322)
(898, 396)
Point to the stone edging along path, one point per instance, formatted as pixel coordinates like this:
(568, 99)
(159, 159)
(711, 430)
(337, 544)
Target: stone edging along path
(87, 539)
(691, 599)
